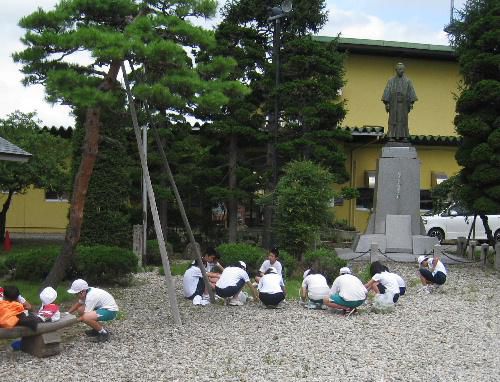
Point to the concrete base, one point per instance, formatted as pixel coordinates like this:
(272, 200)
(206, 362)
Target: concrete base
(43, 345)
(365, 242)
(423, 245)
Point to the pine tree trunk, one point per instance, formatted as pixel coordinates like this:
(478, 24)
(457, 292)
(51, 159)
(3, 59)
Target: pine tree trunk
(81, 183)
(487, 229)
(232, 204)
(3, 215)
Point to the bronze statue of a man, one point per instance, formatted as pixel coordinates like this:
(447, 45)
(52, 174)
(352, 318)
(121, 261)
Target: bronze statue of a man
(399, 96)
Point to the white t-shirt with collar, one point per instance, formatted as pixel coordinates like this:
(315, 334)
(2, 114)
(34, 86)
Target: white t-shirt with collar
(267, 264)
(316, 285)
(388, 280)
(230, 277)
(190, 280)
(271, 283)
(349, 287)
(98, 298)
(438, 268)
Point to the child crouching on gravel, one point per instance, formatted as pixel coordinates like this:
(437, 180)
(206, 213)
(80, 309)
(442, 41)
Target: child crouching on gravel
(271, 288)
(432, 271)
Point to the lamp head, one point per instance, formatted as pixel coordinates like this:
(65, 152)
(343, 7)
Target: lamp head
(286, 6)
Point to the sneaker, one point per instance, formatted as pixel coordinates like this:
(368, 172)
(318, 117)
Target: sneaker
(197, 300)
(102, 337)
(235, 302)
(91, 333)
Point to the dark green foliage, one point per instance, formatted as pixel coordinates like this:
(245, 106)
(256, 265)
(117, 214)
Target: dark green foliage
(106, 220)
(96, 264)
(475, 37)
(153, 256)
(104, 264)
(32, 265)
(302, 196)
(251, 255)
(324, 261)
(288, 261)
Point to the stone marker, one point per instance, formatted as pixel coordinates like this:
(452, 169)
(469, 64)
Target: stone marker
(461, 242)
(497, 256)
(484, 253)
(472, 249)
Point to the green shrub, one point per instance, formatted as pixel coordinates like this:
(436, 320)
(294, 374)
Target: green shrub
(103, 264)
(33, 264)
(288, 261)
(153, 256)
(253, 256)
(325, 261)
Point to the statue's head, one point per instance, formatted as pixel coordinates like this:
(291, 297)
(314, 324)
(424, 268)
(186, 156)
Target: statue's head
(400, 69)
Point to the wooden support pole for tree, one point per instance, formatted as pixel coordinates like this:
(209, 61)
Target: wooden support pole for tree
(152, 203)
(192, 240)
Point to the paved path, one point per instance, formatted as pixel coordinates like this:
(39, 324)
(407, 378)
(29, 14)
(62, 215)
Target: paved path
(445, 255)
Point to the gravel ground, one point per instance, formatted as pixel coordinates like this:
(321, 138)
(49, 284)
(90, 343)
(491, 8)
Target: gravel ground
(449, 335)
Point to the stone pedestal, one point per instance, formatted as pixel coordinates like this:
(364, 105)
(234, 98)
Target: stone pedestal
(396, 211)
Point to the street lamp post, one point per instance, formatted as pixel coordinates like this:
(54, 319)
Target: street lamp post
(277, 13)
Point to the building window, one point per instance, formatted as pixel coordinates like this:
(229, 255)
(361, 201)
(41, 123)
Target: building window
(425, 200)
(54, 196)
(365, 199)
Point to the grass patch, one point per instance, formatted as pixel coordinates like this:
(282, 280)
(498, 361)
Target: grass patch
(177, 268)
(30, 290)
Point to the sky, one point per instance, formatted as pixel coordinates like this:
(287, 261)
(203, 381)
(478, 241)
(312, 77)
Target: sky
(419, 21)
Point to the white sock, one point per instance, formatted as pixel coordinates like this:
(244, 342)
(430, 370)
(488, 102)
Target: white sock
(102, 331)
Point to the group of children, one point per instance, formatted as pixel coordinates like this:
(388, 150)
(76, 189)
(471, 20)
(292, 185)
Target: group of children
(269, 286)
(346, 293)
(94, 305)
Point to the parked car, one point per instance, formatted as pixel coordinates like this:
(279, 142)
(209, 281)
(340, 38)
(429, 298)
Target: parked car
(455, 221)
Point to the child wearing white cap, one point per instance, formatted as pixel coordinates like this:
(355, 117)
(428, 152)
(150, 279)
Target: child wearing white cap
(314, 288)
(432, 270)
(231, 282)
(271, 288)
(94, 305)
(49, 312)
(347, 292)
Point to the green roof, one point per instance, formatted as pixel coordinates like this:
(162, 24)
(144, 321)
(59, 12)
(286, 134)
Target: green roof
(382, 47)
(428, 140)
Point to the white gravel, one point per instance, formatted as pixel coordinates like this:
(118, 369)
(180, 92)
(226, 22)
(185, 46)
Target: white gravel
(450, 335)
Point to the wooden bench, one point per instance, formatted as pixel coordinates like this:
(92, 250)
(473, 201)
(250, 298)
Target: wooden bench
(43, 342)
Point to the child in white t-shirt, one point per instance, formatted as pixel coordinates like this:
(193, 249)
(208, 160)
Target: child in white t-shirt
(347, 292)
(271, 288)
(384, 284)
(401, 281)
(193, 285)
(432, 271)
(272, 261)
(314, 289)
(231, 282)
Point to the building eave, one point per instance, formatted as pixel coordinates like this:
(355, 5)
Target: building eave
(392, 48)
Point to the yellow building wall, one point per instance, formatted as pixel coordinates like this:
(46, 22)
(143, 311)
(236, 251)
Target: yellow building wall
(32, 213)
(435, 83)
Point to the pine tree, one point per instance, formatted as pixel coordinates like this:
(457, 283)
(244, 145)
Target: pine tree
(111, 31)
(475, 35)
